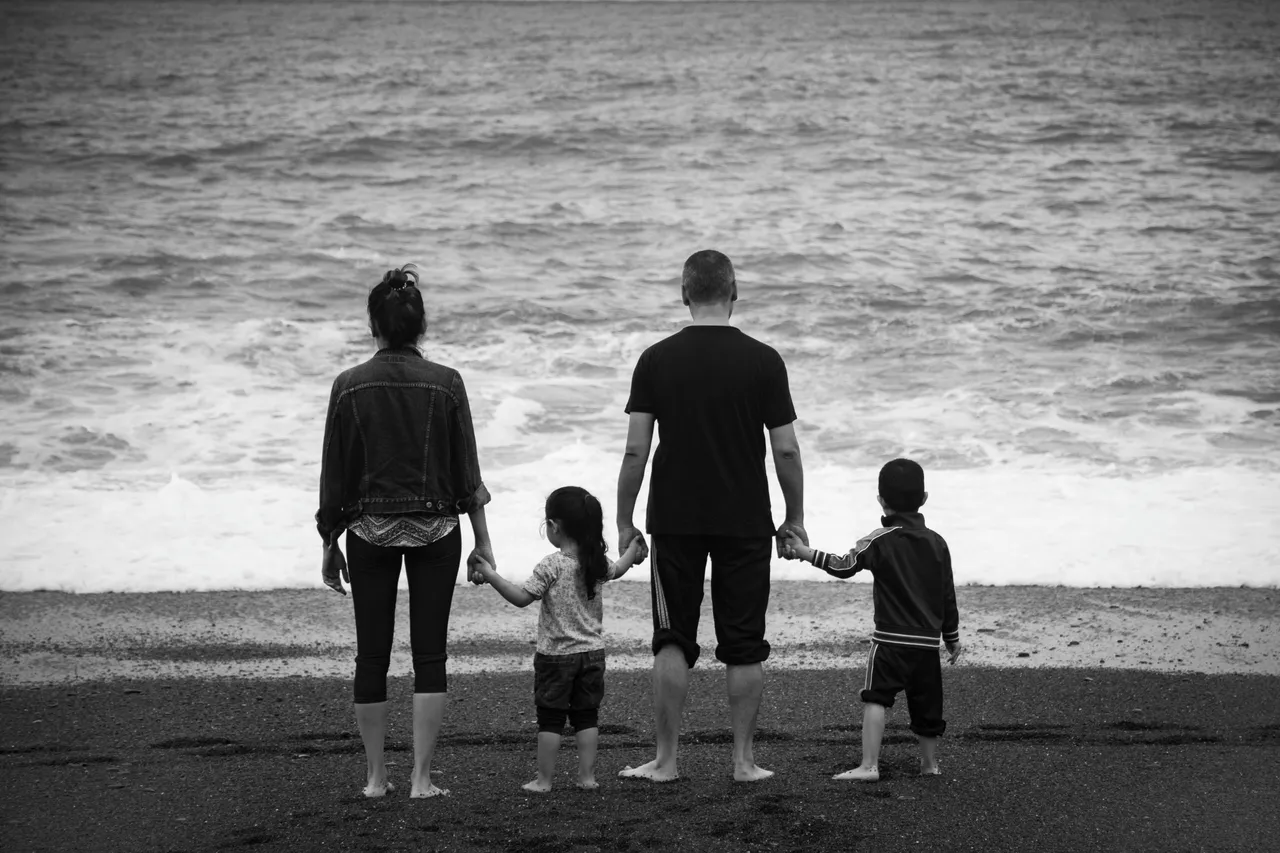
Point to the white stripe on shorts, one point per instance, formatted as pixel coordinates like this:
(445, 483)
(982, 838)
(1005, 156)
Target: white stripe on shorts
(659, 598)
(871, 665)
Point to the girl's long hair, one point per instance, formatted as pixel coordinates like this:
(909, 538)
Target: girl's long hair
(582, 520)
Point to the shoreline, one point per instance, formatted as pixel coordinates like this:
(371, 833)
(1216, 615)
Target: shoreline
(54, 637)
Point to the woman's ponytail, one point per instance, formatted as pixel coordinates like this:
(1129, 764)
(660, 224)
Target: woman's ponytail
(396, 312)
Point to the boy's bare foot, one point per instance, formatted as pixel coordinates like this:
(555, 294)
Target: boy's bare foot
(859, 774)
(588, 784)
(373, 789)
(537, 786)
(429, 790)
(649, 771)
(751, 773)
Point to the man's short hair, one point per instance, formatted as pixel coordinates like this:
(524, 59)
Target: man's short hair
(902, 485)
(708, 277)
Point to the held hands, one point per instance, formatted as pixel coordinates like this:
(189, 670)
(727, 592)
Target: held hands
(482, 553)
(629, 536)
(482, 570)
(793, 542)
(333, 568)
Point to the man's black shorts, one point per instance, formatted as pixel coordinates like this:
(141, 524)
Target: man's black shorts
(918, 672)
(739, 594)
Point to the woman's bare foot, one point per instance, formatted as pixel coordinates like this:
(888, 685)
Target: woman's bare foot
(422, 793)
(537, 786)
(650, 771)
(378, 789)
(750, 773)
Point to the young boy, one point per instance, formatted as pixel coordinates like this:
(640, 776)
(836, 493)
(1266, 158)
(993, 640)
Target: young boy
(915, 602)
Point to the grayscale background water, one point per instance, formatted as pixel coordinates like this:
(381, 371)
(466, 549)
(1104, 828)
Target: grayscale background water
(1032, 245)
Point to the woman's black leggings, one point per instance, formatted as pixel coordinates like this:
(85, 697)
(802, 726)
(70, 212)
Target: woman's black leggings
(375, 573)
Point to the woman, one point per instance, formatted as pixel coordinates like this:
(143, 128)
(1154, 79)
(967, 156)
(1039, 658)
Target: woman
(398, 468)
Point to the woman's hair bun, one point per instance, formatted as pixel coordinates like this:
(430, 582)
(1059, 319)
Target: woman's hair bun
(406, 276)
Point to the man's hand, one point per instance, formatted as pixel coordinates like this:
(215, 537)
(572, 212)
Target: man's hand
(792, 547)
(794, 528)
(333, 569)
(953, 649)
(626, 535)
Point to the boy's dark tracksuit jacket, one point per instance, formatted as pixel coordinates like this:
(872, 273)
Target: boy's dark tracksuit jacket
(915, 596)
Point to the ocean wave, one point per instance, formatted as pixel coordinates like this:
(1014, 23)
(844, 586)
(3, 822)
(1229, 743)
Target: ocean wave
(1256, 161)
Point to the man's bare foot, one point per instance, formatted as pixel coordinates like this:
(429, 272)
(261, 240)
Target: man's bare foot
(649, 771)
(374, 789)
(537, 786)
(588, 784)
(429, 790)
(751, 773)
(859, 774)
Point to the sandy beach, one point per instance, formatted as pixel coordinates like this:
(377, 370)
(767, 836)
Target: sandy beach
(49, 637)
(1077, 720)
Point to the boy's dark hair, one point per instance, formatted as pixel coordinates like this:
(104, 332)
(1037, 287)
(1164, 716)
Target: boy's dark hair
(708, 277)
(902, 485)
(582, 519)
(396, 312)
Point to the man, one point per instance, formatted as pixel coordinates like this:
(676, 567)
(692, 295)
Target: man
(714, 391)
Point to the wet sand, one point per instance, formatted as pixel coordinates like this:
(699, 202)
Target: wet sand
(1138, 720)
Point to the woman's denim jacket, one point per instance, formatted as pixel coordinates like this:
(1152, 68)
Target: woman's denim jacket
(398, 439)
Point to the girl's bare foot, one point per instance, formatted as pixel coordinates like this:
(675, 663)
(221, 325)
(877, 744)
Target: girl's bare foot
(378, 789)
(537, 786)
(588, 783)
(933, 770)
(859, 774)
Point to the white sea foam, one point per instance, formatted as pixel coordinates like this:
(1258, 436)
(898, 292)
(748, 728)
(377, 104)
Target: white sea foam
(1032, 525)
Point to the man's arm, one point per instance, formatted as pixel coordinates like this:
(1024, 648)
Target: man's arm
(631, 476)
(786, 460)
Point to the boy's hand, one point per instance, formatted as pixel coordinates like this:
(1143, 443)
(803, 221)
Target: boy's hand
(790, 528)
(794, 548)
(953, 649)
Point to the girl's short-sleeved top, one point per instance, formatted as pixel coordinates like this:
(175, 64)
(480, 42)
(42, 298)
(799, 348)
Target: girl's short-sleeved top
(568, 621)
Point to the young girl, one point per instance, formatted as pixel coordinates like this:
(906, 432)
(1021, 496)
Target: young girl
(569, 663)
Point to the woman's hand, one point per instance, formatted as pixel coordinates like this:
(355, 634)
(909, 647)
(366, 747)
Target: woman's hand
(333, 569)
(482, 551)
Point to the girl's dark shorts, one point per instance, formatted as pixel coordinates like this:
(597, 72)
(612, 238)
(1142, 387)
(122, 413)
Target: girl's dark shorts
(569, 682)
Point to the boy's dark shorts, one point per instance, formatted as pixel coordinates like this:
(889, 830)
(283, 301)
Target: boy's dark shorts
(569, 682)
(739, 594)
(918, 672)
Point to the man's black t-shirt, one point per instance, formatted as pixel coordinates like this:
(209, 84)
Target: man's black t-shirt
(714, 391)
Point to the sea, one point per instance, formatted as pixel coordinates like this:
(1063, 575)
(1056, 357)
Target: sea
(1033, 245)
